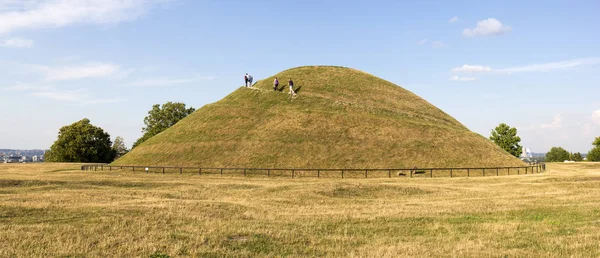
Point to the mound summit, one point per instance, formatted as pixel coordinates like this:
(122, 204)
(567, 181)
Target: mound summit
(341, 118)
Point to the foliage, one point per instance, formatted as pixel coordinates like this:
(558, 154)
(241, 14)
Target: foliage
(160, 118)
(506, 137)
(119, 147)
(557, 154)
(594, 154)
(576, 157)
(81, 142)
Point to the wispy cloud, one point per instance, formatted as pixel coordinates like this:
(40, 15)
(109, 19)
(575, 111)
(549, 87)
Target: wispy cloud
(545, 67)
(422, 42)
(36, 14)
(72, 96)
(16, 43)
(453, 19)
(77, 97)
(438, 44)
(556, 123)
(464, 79)
(157, 82)
(19, 86)
(596, 117)
(472, 68)
(487, 27)
(89, 70)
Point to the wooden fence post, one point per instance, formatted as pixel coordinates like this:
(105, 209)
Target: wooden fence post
(497, 171)
(342, 173)
(293, 173)
(163, 170)
(221, 171)
(431, 173)
(180, 171)
(244, 172)
(389, 173)
(366, 173)
(318, 173)
(450, 172)
(468, 172)
(268, 173)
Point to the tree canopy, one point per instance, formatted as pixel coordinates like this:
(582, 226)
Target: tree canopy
(119, 147)
(594, 153)
(576, 157)
(162, 117)
(506, 137)
(81, 142)
(557, 154)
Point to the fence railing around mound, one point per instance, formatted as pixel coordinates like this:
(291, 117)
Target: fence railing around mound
(330, 172)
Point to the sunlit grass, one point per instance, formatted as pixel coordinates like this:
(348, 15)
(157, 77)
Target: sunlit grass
(59, 210)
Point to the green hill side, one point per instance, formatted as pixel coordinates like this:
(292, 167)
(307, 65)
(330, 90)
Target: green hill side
(340, 118)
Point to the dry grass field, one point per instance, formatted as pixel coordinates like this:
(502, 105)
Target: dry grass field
(56, 210)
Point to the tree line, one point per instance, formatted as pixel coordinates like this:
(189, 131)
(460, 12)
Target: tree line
(84, 142)
(506, 137)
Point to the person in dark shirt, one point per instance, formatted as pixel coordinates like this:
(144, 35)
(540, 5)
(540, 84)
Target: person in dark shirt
(275, 84)
(246, 80)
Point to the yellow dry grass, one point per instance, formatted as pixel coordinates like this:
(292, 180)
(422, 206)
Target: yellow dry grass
(56, 210)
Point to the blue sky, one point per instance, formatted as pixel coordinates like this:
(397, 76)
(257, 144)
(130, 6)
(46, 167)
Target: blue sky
(532, 64)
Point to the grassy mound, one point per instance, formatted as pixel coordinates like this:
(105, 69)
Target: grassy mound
(341, 117)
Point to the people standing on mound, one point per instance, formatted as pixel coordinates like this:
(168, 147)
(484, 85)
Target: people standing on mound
(246, 80)
(275, 84)
(291, 83)
(250, 78)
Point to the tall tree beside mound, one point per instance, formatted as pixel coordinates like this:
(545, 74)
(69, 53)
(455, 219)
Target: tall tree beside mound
(576, 157)
(81, 142)
(557, 154)
(594, 154)
(506, 137)
(119, 147)
(160, 118)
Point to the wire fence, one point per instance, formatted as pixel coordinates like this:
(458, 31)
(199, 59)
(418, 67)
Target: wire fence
(328, 172)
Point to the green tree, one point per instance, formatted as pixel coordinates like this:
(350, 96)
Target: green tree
(160, 118)
(81, 142)
(119, 147)
(557, 154)
(576, 157)
(594, 153)
(506, 137)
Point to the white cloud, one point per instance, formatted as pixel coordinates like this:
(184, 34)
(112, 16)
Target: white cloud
(155, 82)
(487, 27)
(422, 42)
(89, 70)
(19, 86)
(79, 97)
(438, 44)
(16, 43)
(71, 96)
(596, 117)
(464, 79)
(101, 101)
(547, 67)
(556, 123)
(453, 19)
(472, 68)
(35, 14)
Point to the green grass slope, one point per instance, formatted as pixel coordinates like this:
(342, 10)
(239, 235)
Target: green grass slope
(341, 118)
